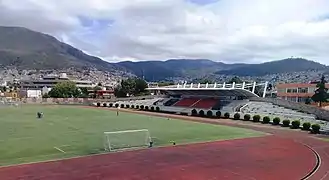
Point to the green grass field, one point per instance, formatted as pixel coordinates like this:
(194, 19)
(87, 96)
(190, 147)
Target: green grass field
(79, 131)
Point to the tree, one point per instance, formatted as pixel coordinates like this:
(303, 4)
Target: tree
(308, 100)
(120, 92)
(130, 86)
(3, 89)
(236, 80)
(140, 86)
(65, 89)
(46, 96)
(84, 92)
(321, 94)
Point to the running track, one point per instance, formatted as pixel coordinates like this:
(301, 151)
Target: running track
(320, 146)
(279, 156)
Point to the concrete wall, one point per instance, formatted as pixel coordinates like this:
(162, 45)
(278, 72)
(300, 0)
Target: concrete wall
(77, 101)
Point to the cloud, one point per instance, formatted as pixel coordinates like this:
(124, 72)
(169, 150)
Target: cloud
(222, 30)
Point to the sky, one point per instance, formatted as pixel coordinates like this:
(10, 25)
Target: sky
(230, 31)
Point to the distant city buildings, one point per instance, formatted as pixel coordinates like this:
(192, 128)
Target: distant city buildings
(297, 92)
(50, 81)
(37, 88)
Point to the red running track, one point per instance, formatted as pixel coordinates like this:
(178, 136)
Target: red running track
(263, 158)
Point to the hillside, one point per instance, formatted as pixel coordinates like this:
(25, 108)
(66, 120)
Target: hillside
(28, 49)
(274, 67)
(159, 70)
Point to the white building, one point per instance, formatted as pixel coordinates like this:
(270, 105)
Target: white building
(34, 93)
(50, 81)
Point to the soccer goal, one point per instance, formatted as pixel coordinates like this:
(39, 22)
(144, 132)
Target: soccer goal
(116, 140)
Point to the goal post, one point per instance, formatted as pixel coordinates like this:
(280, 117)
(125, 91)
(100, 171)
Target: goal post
(116, 140)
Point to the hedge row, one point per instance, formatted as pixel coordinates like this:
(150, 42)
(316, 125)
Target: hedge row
(127, 106)
(296, 124)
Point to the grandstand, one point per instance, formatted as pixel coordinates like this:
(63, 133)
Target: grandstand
(183, 98)
(231, 98)
(213, 97)
(272, 110)
(268, 109)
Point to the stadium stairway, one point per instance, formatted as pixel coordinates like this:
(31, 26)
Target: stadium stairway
(220, 104)
(171, 102)
(205, 103)
(186, 102)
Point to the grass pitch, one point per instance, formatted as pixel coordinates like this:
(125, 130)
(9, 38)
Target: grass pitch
(79, 131)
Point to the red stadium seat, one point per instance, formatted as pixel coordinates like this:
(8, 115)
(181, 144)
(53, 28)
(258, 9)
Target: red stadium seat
(205, 103)
(187, 102)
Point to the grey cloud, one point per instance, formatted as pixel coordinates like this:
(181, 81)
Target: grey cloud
(229, 30)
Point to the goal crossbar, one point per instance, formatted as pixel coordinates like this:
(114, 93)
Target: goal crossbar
(125, 131)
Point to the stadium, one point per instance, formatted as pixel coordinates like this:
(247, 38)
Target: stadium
(185, 132)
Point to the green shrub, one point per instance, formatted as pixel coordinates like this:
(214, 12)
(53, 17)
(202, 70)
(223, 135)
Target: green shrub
(157, 109)
(295, 124)
(152, 108)
(247, 117)
(306, 126)
(127, 106)
(137, 106)
(316, 128)
(236, 116)
(116, 105)
(98, 104)
(194, 112)
(111, 105)
(201, 113)
(132, 106)
(276, 121)
(209, 114)
(266, 120)
(146, 108)
(122, 106)
(218, 114)
(104, 105)
(227, 115)
(286, 123)
(256, 118)
(141, 107)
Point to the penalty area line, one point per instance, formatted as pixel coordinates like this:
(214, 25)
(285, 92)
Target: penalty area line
(59, 149)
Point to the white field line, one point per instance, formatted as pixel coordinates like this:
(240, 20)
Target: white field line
(59, 149)
(66, 145)
(325, 176)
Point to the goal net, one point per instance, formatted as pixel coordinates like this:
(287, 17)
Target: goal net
(126, 139)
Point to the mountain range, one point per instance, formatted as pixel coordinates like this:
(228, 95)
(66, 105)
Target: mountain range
(27, 49)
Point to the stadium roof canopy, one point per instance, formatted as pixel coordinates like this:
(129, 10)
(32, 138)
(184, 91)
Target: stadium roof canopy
(243, 89)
